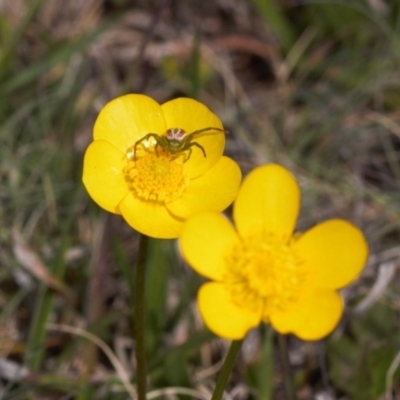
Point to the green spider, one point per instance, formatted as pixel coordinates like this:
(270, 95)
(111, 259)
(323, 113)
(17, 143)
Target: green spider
(175, 141)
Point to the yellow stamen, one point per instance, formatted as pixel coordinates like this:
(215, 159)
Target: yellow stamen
(156, 177)
(264, 274)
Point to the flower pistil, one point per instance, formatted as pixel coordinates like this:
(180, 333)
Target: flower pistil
(265, 274)
(156, 177)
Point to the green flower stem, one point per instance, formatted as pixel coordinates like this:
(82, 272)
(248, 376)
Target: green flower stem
(226, 369)
(287, 370)
(140, 284)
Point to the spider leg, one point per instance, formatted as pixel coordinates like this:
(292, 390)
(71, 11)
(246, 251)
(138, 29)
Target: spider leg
(146, 137)
(191, 144)
(189, 153)
(210, 128)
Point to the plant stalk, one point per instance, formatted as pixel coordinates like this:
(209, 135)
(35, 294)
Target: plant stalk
(226, 369)
(140, 284)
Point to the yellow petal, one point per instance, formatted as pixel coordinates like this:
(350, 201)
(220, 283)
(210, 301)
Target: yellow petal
(215, 190)
(221, 315)
(126, 119)
(149, 218)
(205, 240)
(102, 175)
(335, 251)
(191, 115)
(313, 317)
(268, 201)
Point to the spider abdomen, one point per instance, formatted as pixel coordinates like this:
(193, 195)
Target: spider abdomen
(175, 134)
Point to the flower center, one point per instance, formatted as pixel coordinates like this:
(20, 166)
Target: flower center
(265, 274)
(156, 177)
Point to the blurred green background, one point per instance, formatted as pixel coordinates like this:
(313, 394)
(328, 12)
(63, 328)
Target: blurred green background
(313, 85)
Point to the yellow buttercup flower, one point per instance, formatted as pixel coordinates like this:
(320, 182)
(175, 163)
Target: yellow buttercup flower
(153, 188)
(261, 271)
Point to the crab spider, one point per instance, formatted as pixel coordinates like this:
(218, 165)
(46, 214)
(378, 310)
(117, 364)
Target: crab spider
(176, 140)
